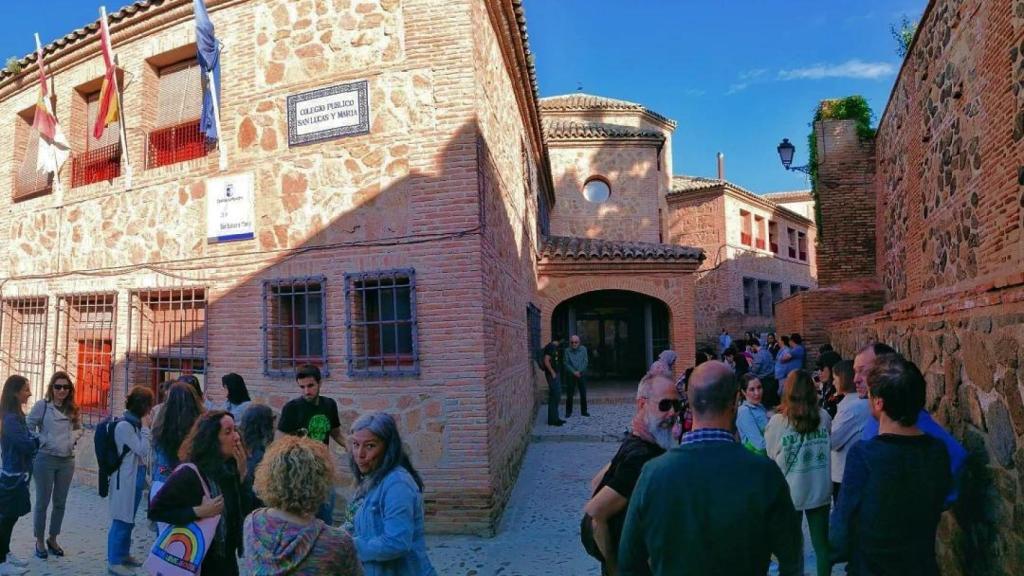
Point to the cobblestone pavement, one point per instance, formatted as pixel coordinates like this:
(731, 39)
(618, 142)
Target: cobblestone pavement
(538, 535)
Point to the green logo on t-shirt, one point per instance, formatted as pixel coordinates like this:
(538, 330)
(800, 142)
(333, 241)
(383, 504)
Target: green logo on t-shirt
(318, 428)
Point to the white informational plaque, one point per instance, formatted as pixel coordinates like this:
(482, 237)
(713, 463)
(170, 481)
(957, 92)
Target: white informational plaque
(230, 208)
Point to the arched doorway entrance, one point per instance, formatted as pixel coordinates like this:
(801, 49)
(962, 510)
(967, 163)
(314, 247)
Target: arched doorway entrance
(623, 331)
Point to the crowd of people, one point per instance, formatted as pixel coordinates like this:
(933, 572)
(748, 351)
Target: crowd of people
(263, 500)
(718, 470)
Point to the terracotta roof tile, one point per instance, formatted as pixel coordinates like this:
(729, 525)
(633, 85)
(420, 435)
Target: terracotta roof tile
(790, 196)
(565, 247)
(574, 130)
(83, 33)
(685, 184)
(579, 101)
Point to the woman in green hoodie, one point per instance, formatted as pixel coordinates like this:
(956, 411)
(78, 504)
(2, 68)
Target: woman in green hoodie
(287, 538)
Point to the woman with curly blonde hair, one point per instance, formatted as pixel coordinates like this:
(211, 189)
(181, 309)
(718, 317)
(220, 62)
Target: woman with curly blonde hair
(293, 479)
(797, 438)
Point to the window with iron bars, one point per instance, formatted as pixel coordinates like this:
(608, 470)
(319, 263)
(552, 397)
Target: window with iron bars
(23, 339)
(533, 331)
(167, 335)
(380, 321)
(84, 348)
(29, 180)
(176, 136)
(293, 325)
(101, 159)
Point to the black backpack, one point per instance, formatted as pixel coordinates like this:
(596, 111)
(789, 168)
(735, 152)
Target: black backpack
(108, 460)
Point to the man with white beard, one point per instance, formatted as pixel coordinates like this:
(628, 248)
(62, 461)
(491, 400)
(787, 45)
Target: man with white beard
(657, 408)
(710, 506)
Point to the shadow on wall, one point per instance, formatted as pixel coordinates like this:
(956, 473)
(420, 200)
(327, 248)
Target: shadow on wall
(441, 225)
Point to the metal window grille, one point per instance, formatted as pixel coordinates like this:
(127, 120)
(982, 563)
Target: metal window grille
(84, 348)
(101, 159)
(167, 335)
(177, 137)
(802, 245)
(294, 326)
(773, 236)
(759, 232)
(380, 321)
(29, 180)
(533, 331)
(23, 339)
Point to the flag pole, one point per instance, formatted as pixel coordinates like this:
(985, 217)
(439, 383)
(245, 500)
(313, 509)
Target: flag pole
(120, 106)
(53, 149)
(223, 162)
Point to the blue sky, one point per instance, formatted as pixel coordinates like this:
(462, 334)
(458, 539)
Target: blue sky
(737, 75)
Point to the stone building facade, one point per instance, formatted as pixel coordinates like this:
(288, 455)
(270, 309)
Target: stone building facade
(758, 253)
(401, 260)
(925, 220)
(605, 271)
(611, 163)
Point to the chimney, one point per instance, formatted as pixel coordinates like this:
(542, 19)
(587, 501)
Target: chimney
(721, 166)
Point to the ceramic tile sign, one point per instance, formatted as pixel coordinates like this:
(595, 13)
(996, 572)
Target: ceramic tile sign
(328, 113)
(230, 208)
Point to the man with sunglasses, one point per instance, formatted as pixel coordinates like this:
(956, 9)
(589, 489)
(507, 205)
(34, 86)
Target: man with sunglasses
(692, 506)
(657, 409)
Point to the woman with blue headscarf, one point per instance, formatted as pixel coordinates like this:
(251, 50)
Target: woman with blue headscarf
(387, 508)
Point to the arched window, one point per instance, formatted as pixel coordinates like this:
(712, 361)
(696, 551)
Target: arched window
(596, 190)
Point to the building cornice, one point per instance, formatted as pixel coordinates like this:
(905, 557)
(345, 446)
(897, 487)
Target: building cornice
(135, 20)
(509, 22)
(724, 188)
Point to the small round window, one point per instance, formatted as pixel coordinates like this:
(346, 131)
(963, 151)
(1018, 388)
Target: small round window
(596, 190)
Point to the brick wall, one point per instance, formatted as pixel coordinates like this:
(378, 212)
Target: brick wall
(845, 191)
(711, 221)
(810, 313)
(510, 183)
(949, 192)
(406, 195)
(636, 182)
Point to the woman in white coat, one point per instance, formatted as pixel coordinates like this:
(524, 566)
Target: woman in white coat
(126, 485)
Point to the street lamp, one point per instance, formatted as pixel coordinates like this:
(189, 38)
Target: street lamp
(786, 151)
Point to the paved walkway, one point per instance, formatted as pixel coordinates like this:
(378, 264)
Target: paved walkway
(538, 535)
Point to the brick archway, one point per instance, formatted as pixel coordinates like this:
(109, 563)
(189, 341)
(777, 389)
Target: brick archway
(675, 291)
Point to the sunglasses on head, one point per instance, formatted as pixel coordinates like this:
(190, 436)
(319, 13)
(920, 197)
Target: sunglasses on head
(62, 387)
(666, 403)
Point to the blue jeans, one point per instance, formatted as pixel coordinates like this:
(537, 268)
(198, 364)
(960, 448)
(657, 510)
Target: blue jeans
(326, 510)
(119, 539)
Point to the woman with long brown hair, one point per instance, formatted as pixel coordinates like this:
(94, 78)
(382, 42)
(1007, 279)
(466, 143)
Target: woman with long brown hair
(58, 424)
(797, 438)
(210, 487)
(18, 448)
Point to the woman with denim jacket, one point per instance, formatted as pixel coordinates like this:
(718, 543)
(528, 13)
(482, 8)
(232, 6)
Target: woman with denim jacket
(387, 523)
(19, 448)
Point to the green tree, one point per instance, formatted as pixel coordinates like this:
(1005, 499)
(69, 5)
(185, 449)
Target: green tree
(903, 34)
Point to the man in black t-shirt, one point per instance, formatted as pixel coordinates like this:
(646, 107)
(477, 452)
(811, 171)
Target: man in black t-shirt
(657, 408)
(549, 364)
(315, 417)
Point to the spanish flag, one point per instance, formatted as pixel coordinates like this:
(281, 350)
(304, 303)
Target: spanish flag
(108, 112)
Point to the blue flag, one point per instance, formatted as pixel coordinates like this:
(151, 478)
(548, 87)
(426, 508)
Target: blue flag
(208, 54)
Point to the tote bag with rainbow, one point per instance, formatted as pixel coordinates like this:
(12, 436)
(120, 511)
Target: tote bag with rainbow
(179, 550)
